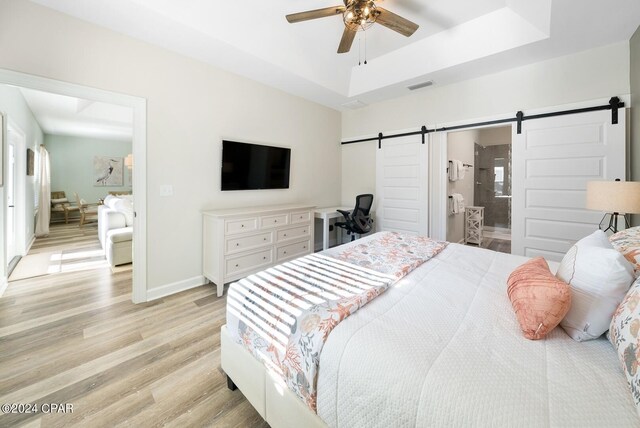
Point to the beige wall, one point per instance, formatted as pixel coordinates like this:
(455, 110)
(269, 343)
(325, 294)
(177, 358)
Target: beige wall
(634, 45)
(594, 74)
(495, 136)
(460, 146)
(191, 106)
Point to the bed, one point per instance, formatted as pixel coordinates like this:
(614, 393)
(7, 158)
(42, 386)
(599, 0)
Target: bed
(442, 347)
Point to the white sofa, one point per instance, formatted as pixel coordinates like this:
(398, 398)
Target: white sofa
(115, 229)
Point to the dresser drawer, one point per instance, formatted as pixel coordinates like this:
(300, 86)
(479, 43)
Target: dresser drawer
(295, 232)
(293, 250)
(300, 217)
(243, 243)
(274, 221)
(239, 226)
(248, 262)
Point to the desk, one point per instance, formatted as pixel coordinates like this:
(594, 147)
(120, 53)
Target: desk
(326, 214)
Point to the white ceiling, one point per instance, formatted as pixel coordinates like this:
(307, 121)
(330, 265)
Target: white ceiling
(457, 39)
(76, 117)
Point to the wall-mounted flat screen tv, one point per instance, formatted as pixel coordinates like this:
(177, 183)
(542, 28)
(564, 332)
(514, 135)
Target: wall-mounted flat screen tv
(252, 166)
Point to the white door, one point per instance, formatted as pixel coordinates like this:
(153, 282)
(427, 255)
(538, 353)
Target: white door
(401, 186)
(553, 159)
(11, 196)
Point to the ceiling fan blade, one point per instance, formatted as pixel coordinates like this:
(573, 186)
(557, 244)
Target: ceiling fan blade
(396, 22)
(347, 40)
(315, 14)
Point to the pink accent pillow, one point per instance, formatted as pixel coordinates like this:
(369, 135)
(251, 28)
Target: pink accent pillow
(539, 299)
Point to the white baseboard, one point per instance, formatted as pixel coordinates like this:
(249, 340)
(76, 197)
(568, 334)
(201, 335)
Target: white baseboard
(175, 287)
(3, 285)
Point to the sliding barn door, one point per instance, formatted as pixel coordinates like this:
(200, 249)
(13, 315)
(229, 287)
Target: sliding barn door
(553, 159)
(401, 186)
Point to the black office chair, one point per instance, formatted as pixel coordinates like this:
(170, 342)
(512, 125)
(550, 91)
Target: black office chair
(359, 220)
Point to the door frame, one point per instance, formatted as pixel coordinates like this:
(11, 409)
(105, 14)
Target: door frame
(443, 213)
(139, 150)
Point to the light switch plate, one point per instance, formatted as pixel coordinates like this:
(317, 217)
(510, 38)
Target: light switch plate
(166, 190)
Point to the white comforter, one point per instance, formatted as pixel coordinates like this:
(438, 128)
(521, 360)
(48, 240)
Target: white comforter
(442, 347)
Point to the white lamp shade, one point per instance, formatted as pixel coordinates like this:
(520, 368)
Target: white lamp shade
(614, 196)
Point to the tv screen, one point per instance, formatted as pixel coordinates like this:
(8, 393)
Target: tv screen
(252, 166)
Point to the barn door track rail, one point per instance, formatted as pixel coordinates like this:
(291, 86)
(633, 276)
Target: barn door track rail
(614, 105)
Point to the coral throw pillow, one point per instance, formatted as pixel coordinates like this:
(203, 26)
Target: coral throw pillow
(539, 299)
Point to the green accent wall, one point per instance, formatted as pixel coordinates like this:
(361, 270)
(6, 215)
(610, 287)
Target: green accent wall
(72, 165)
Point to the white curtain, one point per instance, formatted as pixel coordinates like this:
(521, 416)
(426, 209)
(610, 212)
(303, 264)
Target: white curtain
(44, 195)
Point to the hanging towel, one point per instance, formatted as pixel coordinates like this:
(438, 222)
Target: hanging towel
(456, 203)
(461, 169)
(453, 171)
(456, 170)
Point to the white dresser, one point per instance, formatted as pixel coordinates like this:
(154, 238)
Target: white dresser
(239, 242)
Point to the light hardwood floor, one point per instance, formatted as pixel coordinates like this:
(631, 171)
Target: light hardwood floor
(75, 337)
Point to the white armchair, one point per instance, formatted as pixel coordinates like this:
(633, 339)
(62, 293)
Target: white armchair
(115, 229)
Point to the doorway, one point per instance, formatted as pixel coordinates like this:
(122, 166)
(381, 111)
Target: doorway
(481, 187)
(138, 105)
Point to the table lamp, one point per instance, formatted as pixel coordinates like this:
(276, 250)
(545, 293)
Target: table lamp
(614, 197)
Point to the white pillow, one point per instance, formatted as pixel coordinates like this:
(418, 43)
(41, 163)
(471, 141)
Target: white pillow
(109, 201)
(125, 207)
(599, 277)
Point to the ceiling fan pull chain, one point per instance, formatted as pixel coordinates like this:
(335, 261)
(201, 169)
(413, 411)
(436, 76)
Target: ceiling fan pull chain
(365, 47)
(359, 50)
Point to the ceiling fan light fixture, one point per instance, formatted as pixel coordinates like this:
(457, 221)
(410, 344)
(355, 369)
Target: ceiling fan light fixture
(359, 15)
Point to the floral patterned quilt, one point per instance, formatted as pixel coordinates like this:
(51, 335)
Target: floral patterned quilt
(392, 253)
(285, 314)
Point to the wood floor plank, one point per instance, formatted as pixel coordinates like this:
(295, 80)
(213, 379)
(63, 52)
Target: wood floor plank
(75, 337)
(191, 348)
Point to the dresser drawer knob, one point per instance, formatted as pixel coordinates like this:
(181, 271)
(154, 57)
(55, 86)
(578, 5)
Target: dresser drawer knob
(285, 252)
(304, 247)
(304, 231)
(285, 234)
(242, 225)
(264, 239)
(237, 244)
(237, 265)
(275, 221)
(264, 258)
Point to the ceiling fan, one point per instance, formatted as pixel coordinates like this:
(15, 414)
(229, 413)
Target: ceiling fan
(358, 15)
